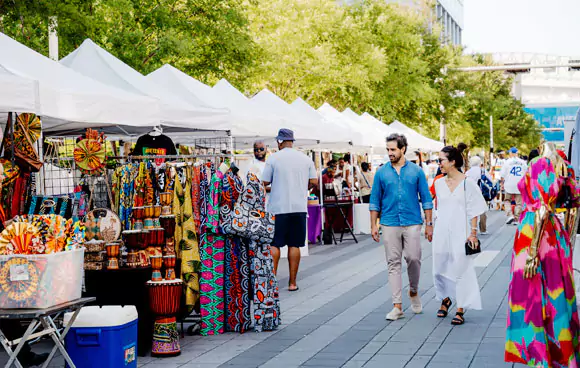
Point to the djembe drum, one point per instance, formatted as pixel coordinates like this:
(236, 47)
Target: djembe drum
(164, 301)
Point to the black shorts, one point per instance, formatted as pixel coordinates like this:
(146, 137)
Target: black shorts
(290, 230)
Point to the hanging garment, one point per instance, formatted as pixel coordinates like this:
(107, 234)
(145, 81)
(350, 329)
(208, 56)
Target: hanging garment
(237, 272)
(543, 326)
(264, 282)
(124, 192)
(196, 196)
(453, 271)
(186, 245)
(212, 264)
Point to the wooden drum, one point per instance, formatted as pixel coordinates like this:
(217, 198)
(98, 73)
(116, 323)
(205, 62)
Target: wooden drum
(164, 301)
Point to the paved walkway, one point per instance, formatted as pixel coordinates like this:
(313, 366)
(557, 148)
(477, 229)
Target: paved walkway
(337, 319)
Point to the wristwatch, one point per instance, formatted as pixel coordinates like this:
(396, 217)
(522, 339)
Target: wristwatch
(429, 223)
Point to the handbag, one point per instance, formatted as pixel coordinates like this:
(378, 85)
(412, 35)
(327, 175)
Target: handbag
(470, 248)
(25, 154)
(248, 218)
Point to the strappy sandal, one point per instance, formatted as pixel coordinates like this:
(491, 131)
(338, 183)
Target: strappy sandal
(442, 313)
(458, 319)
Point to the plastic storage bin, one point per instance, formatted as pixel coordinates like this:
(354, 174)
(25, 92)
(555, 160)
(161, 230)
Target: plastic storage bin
(40, 280)
(103, 337)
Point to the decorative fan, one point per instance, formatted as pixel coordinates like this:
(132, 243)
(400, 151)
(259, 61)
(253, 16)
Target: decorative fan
(90, 153)
(20, 238)
(29, 123)
(18, 288)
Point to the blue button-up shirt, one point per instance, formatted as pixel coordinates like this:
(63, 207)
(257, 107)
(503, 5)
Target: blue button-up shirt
(396, 196)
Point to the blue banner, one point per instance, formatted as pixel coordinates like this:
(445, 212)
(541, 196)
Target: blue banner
(554, 119)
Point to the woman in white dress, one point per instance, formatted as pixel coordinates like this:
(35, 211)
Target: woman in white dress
(459, 203)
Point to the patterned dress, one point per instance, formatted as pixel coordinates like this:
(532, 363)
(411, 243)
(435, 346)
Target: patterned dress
(186, 244)
(264, 282)
(212, 264)
(542, 325)
(237, 269)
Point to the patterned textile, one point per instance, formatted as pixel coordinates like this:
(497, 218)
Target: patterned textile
(186, 244)
(264, 282)
(212, 264)
(196, 197)
(124, 190)
(543, 326)
(237, 277)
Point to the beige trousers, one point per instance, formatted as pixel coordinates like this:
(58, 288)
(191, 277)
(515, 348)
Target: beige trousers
(402, 241)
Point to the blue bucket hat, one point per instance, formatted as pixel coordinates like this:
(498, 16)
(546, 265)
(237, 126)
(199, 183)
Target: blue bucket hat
(285, 135)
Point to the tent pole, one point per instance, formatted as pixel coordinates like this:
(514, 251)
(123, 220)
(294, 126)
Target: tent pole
(320, 188)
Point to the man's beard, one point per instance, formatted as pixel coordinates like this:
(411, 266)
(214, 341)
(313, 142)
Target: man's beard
(395, 159)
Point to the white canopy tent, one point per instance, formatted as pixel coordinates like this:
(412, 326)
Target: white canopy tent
(377, 135)
(244, 121)
(415, 139)
(305, 129)
(93, 61)
(31, 82)
(334, 137)
(358, 138)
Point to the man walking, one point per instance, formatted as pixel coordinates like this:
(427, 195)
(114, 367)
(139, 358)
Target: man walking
(289, 173)
(394, 199)
(512, 172)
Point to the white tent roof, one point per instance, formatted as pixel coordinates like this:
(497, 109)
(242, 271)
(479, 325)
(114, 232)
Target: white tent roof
(31, 82)
(376, 134)
(415, 139)
(334, 136)
(341, 121)
(245, 122)
(93, 61)
(304, 128)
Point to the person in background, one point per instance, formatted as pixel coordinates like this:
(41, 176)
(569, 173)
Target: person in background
(328, 185)
(476, 173)
(330, 163)
(512, 172)
(397, 187)
(496, 173)
(365, 181)
(290, 174)
(432, 168)
(259, 161)
(459, 203)
(533, 155)
(347, 171)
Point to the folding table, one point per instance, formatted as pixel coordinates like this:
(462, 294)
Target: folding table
(41, 318)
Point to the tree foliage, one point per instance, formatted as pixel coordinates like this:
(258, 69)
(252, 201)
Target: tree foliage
(370, 56)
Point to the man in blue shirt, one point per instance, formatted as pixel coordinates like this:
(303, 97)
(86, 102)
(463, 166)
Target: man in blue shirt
(398, 188)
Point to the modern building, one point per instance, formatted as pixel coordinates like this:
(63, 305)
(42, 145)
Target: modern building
(448, 12)
(551, 95)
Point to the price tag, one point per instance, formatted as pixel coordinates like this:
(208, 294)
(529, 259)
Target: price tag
(19, 273)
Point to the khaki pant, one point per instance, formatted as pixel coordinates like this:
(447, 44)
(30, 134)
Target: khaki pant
(508, 205)
(402, 241)
(483, 223)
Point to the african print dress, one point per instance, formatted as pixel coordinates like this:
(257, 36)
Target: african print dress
(237, 277)
(186, 244)
(264, 282)
(212, 263)
(542, 325)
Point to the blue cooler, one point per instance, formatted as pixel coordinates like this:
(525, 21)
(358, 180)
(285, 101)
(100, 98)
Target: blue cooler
(103, 337)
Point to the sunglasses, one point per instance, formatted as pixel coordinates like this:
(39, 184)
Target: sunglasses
(261, 149)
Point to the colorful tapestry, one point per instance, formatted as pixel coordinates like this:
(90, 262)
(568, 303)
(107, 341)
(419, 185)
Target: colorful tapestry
(237, 277)
(542, 326)
(186, 244)
(196, 197)
(212, 264)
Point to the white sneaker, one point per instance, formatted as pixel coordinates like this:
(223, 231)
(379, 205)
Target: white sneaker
(483, 233)
(510, 220)
(416, 305)
(395, 314)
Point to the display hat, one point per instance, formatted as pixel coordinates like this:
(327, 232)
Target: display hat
(285, 135)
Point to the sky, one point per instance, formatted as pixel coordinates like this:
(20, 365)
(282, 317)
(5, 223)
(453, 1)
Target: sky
(538, 26)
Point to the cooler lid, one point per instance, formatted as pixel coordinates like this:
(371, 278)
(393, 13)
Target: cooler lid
(106, 316)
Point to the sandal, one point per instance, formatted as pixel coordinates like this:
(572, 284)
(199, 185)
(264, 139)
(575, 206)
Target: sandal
(446, 303)
(458, 319)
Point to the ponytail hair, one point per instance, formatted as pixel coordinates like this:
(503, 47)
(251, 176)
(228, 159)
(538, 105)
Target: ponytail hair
(455, 154)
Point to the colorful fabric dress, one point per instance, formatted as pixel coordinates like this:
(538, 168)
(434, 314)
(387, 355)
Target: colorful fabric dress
(542, 325)
(237, 278)
(264, 282)
(212, 264)
(186, 244)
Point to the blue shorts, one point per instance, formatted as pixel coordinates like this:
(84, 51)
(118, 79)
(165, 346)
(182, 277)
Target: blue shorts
(290, 230)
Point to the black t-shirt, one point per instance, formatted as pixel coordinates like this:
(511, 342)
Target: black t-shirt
(148, 145)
